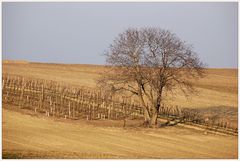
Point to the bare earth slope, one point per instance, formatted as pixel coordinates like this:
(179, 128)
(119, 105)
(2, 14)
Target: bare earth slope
(40, 137)
(31, 136)
(218, 88)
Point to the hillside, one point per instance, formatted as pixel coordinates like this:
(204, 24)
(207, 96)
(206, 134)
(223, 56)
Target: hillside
(218, 88)
(35, 136)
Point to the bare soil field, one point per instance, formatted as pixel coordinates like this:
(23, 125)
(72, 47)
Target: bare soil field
(36, 136)
(218, 88)
(27, 135)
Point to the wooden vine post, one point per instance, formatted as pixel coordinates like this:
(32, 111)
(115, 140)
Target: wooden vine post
(69, 109)
(21, 95)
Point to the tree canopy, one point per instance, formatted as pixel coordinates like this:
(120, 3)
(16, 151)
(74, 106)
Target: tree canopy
(147, 63)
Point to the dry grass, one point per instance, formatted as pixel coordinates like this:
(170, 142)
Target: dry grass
(26, 136)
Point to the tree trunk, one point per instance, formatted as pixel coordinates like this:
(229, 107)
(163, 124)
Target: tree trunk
(156, 107)
(153, 121)
(147, 118)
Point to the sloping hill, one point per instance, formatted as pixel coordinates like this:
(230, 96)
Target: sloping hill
(218, 88)
(26, 136)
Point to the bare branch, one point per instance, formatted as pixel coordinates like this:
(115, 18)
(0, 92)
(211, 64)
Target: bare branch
(148, 63)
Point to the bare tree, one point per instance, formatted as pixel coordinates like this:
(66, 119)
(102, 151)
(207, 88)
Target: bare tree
(148, 63)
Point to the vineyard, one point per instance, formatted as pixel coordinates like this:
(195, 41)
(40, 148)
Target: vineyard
(59, 100)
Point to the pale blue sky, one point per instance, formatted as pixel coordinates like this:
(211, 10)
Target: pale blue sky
(81, 32)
